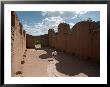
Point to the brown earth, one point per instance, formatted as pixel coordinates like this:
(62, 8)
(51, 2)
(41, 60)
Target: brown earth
(39, 63)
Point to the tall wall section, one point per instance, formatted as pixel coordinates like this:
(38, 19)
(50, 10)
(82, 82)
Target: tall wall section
(18, 43)
(82, 40)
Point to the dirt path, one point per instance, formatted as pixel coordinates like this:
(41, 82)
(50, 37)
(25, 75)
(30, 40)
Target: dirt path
(39, 63)
(34, 66)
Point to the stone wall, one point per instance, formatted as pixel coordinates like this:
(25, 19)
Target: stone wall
(82, 40)
(43, 39)
(18, 43)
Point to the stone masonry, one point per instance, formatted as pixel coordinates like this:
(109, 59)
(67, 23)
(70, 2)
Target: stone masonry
(18, 43)
(82, 40)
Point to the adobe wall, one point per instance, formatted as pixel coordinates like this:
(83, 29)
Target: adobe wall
(88, 40)
(82, 40)
(30, 39)
(18, 43)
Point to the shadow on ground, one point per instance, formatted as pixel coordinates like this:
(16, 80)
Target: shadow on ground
(47, 55)
(71, 65)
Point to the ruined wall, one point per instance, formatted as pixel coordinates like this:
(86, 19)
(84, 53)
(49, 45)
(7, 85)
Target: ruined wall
(82, 40)
(29, 41)
(51, 37)
(85, 40)
(18, 43)
(43, 39)
(63, 30)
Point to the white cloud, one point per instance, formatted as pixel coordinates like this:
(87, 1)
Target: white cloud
(44, 13)
(71, 25)
(67, 16)
(52, 20)
(51, 13)
(74, 17)
(80, 12)
(62, 13)
(33, 30)
(42, 28)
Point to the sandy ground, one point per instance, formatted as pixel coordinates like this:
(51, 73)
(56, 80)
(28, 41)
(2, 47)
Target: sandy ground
(34, 66)
(39, 63)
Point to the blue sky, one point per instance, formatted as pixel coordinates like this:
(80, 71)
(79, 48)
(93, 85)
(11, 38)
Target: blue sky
(38, 22)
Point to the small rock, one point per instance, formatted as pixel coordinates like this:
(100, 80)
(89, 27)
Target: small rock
(22, 62)
(18, 72)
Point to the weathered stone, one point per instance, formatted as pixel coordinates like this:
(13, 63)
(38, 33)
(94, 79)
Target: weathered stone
(18, 42)
(82, 40)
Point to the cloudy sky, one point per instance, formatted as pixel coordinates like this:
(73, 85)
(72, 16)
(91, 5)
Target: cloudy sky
(38, 22)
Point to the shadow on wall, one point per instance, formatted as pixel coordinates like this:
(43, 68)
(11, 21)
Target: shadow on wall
(70, 65)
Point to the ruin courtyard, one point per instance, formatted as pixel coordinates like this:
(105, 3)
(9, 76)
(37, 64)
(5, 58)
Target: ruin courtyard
(78, 51)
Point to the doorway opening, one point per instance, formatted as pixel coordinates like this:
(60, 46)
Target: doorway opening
(37, 44)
